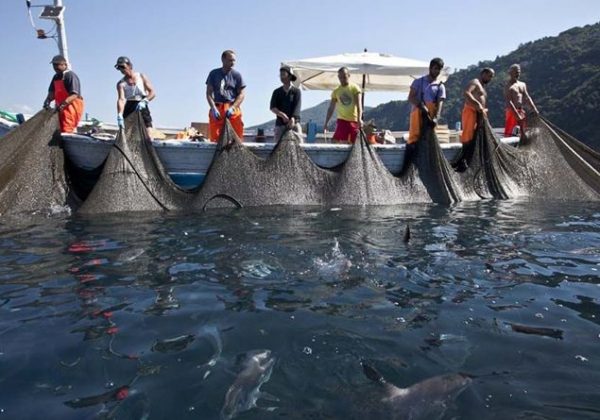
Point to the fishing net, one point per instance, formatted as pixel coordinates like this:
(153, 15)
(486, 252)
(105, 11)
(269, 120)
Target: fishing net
(559, 166)
(490, 168)
(548, 164)
(288, 176)
(32, 168)
(133, 178)
(237, 177)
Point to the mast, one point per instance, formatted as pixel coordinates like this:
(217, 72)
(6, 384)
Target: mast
(62, 34)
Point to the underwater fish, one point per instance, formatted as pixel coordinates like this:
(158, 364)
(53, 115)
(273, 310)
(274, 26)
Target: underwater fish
(547, 332)
(173, 344)
(211, 333)
(117, 394)
(245, 390)
(427, 399)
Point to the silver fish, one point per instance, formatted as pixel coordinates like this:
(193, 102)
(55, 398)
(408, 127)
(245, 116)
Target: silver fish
(427, 399)
(211, 333)
(245, 390)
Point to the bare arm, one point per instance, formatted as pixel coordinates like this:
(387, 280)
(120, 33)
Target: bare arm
(209, 97)
(149, 88)
(329, 113)
(280, 114)
(439, 109)
(120, 98)
(414, 100)
(49, 98)
(529, 100)
(240, 98)
(359, 108)
(68, 100)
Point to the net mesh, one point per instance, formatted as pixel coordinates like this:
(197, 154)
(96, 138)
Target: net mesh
(547, 164)
(32, 168)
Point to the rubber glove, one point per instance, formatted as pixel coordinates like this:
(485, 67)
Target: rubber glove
(120, 121)
(230, 112)
(143, 104)
(215, 113)
(46, 104)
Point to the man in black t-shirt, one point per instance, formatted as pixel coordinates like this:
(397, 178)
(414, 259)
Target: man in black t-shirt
(286, 103)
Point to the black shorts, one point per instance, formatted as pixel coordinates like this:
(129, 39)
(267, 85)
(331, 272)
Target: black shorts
(130, 108)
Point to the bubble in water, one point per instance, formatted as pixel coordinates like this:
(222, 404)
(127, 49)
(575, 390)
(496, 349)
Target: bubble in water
(582, 358)
(307, 350)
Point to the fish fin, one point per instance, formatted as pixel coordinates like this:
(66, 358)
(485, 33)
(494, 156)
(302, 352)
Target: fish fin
(406, 237)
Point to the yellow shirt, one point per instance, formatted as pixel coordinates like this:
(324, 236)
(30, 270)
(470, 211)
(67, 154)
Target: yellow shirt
(346, 106)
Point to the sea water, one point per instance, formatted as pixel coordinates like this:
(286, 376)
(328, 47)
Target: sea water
(150, 315)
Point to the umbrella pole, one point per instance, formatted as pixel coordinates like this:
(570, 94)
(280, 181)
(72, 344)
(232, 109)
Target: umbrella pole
(362, 98)
(364, 83)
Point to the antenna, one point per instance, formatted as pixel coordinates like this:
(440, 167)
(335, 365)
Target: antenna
(54, 13)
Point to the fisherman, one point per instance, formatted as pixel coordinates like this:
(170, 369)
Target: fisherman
(286, 103)
(427, 95)
(65, 91)
(346, 100)
(475, 103)
(134, 92)
(515, 93)
(475, 108)
(225, 92)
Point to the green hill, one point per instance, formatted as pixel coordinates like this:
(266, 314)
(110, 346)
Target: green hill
(562, 74)
(316, 114)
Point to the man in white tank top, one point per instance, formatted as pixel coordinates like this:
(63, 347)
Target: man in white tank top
(134, 92)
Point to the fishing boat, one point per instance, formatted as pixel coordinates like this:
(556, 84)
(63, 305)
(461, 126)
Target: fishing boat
(7, 123)
(187, 161)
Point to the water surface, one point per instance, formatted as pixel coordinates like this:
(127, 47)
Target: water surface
(102, 307)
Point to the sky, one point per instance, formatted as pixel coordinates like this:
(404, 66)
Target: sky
(177, 42)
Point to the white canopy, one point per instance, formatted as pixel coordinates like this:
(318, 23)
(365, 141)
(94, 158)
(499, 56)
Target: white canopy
(383, 72)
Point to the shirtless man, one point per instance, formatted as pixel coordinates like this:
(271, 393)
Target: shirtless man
(515, 94)
(475, 106)
(475, 103)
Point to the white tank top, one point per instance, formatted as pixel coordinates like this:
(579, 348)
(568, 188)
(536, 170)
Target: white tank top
(136, 91)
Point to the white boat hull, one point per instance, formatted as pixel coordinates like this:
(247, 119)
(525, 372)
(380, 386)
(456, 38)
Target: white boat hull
(183, 158)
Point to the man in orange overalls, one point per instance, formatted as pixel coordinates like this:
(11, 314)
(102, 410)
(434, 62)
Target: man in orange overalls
(475, 107)
(427, 94)
(225, 93)
(475, 104)
(65, 91)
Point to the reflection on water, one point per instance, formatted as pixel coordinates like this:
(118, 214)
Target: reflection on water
(159, 315)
